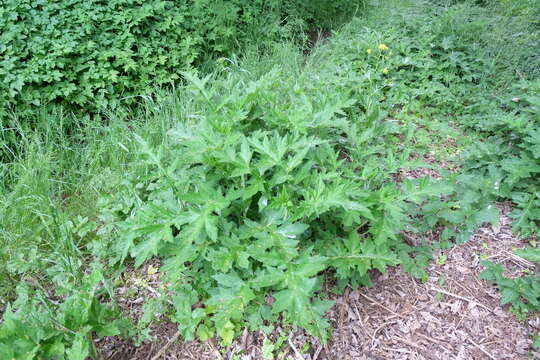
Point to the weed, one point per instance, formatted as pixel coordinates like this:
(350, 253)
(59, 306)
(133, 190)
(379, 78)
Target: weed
(522, 293)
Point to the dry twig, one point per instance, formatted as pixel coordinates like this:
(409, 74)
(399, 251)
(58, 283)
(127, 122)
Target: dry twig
(399, 350)
(381, 305)
(481, 349)
(376, 330)
(296, 352)
(518, 260)
(166, 346)
(316, 355)
(433, 340)
(410, 343)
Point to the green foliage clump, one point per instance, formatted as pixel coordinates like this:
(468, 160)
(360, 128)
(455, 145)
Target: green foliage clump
(510, 156)
(259, 184)
(461, 70)
(97, 53)
(41, 326)
(273, 179)
(267, 186)
(521, 293)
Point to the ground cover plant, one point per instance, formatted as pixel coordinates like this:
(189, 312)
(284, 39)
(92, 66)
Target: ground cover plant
(273, 178)
(42, 328)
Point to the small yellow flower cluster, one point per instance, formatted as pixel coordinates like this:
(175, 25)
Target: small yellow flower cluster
(381, 47)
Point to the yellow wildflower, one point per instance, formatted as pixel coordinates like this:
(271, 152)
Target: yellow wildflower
(369, 51)
(383, 47)
(385, 71)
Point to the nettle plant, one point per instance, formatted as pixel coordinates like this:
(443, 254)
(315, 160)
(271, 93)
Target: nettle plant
(261, 193)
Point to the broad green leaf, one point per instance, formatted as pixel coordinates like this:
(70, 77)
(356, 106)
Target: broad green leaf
(509, 296)
(490, 214)
(79, 350)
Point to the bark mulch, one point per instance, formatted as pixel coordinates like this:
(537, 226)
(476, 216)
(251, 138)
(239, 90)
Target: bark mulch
(454, 315)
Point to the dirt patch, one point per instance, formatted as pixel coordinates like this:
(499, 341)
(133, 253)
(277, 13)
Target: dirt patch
(432, 168)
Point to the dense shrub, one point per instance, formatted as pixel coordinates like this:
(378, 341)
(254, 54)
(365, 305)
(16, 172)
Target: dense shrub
(91, 52)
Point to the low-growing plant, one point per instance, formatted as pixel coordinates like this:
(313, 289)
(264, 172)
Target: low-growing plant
(248, 204)
(522, 294)
(61, 325)
(510, 158)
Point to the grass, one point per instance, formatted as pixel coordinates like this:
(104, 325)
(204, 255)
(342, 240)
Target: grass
(56, 177)
(63, 192)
